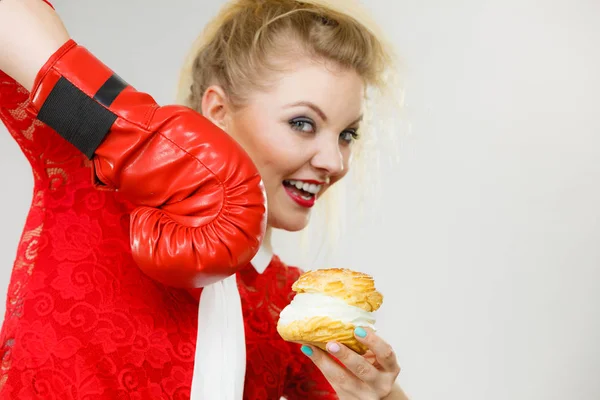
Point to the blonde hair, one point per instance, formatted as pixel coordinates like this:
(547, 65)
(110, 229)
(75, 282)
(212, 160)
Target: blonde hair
(247, 38)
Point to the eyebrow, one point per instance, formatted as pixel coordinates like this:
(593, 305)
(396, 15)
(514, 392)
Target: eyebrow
(312, 106)
(318, 110)
(357, 120)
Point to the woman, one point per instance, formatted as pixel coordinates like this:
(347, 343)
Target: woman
(90, 317)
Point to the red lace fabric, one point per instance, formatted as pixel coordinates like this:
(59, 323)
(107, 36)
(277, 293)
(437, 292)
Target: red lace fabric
(82, 321)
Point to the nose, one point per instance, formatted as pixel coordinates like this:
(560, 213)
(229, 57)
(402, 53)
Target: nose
(328, 157)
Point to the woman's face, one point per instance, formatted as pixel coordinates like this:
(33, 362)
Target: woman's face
(300, 134)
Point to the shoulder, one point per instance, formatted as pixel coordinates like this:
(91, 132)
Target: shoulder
(286, 273)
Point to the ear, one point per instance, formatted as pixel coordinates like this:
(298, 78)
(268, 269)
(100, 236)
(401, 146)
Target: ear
(215, 106)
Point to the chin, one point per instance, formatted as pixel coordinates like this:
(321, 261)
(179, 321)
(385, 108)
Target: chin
(291, 221)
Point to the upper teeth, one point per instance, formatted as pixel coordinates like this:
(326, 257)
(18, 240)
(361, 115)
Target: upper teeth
(307, 187)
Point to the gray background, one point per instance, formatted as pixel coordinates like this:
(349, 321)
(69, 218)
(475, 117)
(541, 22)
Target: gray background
(485, 240)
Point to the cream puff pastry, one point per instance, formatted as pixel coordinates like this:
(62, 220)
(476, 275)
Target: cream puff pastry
(328, 305)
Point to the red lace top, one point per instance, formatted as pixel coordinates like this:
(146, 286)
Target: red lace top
(82, 321)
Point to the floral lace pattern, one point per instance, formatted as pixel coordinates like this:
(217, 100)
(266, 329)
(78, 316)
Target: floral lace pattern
(83, 322)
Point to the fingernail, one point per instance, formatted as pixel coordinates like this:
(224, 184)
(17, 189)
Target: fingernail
(333, 347)
(307, 350)
(360, 332)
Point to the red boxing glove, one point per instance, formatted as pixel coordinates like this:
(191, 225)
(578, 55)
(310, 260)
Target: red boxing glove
(202, 205)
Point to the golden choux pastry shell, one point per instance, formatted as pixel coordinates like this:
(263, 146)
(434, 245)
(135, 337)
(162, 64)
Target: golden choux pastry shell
(355, 288)
(320, 330)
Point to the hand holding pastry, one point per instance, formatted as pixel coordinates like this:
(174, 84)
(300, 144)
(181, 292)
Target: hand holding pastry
(364, 377)
(332, 314)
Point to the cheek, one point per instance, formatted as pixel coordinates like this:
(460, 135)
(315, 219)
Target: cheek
(347, 157)
(338, 177)
(268, 144)
(272, 154)
(347, 162)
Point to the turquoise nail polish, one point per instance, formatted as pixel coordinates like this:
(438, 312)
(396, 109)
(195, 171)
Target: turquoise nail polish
(307, 350)
(360, 332)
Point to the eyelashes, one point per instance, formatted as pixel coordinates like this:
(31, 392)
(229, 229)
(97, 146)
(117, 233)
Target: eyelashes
(307, 125)
(303, 125)
(349, 135)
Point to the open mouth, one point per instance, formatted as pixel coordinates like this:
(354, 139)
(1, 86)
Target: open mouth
(305, 190)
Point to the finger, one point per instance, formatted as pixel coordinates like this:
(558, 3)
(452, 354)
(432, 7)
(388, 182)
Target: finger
(370, 357)
(339, 377)
(384, 353)
(357, 364)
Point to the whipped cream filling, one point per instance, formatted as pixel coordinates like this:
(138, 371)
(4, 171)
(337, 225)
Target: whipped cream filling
(310, 305)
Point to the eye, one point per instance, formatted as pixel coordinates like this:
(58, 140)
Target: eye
(302, 125)
(349, 135)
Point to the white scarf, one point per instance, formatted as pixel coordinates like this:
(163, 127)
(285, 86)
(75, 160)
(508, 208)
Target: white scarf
(220, 360)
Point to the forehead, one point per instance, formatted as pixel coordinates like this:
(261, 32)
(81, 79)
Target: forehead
(338, 91)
